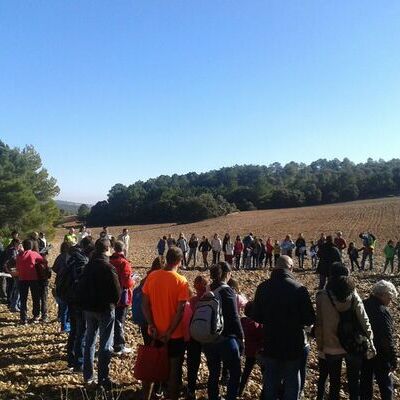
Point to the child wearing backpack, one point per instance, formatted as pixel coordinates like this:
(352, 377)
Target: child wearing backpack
(216, 325)
(254, 340)
(389, 252)
(194, 347)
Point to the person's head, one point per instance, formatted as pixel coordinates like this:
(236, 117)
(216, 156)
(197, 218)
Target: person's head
(238, 238)
(248, 309)
(342, 286)
(361, 235)
(14, 235)
(169, 236)
(215, 235)
(227, 236)
(86, 242)
(34, 235)
(276, 243)
(312, 242)
(200, 285)
(339, 234)
(193, 236)
(181, 235)
(284, 262)
(64, 248)
(71, 231)
(174, 256)
(41, 235)
(288, 237)
(82, 229)
(16, 243)
(301, 236)
(251, 234)
(119, 246)
(351, 245)
(105, 229)
(156, 265)
(390, 243)
(234, 284)
(203, 238)
(385, 291)
(102, 246)
(269, 240)
(27, 244)
(164, 237)
(329, 239)
(338, 269)
(221, 272)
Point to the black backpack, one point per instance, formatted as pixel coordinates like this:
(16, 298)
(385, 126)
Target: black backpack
(68, 278)
(350, 333)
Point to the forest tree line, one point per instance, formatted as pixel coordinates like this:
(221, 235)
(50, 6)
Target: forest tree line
(193, 197)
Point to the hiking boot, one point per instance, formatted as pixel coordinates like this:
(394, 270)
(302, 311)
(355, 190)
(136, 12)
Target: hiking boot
(35, 320)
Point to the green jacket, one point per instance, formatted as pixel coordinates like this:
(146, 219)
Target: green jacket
(389, 251)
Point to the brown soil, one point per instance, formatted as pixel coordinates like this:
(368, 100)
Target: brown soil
(32, 359)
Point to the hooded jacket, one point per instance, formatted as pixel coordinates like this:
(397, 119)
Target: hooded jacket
(328, 319)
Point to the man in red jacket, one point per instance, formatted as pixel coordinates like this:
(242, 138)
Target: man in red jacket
(124, 271)
(28, 280)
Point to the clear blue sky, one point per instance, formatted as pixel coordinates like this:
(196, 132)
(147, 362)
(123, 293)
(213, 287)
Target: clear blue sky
(116, 91)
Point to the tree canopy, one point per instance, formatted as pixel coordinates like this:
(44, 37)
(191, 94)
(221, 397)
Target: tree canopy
(26, 191)
(192, 197)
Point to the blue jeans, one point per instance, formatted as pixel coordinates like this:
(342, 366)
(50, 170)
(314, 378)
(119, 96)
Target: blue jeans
(63, 315)
(15, 303)
(278, 371)
(76, 337)
(102, 322)
(227, 352)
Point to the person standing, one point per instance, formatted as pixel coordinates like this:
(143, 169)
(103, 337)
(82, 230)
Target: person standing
(284, 307)
(161, 247)
(248, 244)
(339, 297)
(193, 244)
(229, 345)
(125, 239)
(183, 245)
(165, 293)
(389, 252)
(82, 234)
(171, 241)
(368, 241)
(300, 250)
(42, 242)
(269, 250)
(287, 246)
(328, 253)
(216, 246)
(237, 251)
(28, 280)
(339, 242)
(98, 294)
(125, 277)
(205, 248)
(385, 361)
(352, 252)
(71, 237)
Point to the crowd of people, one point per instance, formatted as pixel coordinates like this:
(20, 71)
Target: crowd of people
(95, 287)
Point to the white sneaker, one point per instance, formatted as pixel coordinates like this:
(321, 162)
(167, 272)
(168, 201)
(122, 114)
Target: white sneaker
(124, 351)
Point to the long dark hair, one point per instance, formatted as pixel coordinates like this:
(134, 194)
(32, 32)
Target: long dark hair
(341, 287)
(219, 272)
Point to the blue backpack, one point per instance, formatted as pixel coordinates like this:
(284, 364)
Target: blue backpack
(137, 313)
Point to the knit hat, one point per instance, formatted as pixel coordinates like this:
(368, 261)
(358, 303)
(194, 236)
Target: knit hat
(284, 262)
(338, 269)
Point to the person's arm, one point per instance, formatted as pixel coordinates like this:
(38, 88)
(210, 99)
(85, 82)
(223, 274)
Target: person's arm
(319, 336)
(364, 320)
(175, 322)
(115, 287)
(148, 315)
(306, 308)
(127, 281)
(258, 306)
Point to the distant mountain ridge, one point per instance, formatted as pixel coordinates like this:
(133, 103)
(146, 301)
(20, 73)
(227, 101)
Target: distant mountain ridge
(69, 206)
